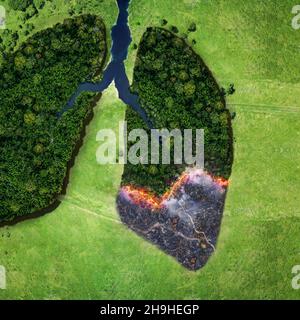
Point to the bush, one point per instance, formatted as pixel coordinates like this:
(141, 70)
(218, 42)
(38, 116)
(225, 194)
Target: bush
(231, 89)
(20, 5)
(163, 22)
(192, 27)
(174, 29)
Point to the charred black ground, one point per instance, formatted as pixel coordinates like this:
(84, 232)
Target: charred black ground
(186, 226)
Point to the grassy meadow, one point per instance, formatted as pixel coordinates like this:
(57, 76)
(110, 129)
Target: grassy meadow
(82, 251)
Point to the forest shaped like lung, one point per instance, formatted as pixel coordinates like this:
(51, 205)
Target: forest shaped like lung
(177, 91)
(176, 207)
(38, 138)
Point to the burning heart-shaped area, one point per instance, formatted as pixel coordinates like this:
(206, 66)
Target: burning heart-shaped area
(184, 222)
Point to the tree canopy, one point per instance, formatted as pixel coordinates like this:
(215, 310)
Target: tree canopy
(178, 91)
(37, 139)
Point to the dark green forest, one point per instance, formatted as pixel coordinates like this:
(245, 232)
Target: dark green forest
(177, 90)
(31, 6)
(37, 138)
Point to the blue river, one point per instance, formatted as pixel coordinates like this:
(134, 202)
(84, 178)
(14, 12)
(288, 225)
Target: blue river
(115, 71)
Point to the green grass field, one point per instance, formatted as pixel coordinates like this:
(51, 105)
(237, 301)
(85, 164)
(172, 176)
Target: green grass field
(82, 251)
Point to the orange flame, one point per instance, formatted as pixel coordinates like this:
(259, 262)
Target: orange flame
(221, 182)
(140, 195)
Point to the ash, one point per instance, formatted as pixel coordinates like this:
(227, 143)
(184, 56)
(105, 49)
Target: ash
(186, 226)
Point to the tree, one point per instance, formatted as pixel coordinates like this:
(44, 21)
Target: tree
(31, 11)
(190, 88)
(20, 61)
(174, 29)
(163, 22)
(29, 118)
(192, 27)
(231, 89)
(20, 5)
(39, 4)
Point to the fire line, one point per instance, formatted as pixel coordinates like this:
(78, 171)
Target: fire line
(143, 196)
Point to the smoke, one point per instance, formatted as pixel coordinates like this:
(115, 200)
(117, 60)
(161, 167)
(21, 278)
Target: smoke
(200, 189)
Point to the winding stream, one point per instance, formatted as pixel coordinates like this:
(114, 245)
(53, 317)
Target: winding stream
(115, 71)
